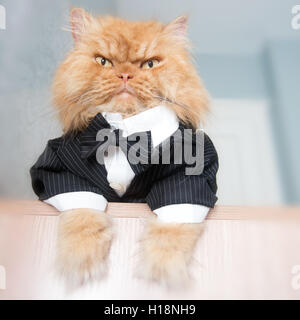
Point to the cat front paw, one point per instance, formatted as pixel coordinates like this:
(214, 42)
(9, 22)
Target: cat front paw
(84, 238)
(166, 251)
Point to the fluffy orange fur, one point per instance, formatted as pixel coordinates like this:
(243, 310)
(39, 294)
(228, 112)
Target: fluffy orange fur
(167, 250)
(83, 242)
(83, 87)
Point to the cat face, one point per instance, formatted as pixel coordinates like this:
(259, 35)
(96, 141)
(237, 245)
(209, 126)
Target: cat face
(126, 67)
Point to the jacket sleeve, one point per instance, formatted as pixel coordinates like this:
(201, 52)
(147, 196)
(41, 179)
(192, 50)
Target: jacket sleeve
(50, 177)
(180, 188)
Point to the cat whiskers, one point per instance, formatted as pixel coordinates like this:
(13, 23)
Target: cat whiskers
(96, 94)
(182, 105)
(166, 99)
(79, 97)
(142, 91)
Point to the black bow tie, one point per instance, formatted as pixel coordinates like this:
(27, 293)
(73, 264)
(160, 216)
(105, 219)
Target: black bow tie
(99, 135)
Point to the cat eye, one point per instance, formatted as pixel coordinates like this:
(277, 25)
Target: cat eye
(149, 64)
(103, 61)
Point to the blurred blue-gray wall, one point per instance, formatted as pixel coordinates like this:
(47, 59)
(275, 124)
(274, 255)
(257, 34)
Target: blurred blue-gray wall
(243, 50)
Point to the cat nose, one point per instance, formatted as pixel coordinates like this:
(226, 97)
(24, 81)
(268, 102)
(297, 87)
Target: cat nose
(125, 76)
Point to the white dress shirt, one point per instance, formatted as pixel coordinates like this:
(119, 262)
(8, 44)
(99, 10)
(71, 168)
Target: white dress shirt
(162, 122)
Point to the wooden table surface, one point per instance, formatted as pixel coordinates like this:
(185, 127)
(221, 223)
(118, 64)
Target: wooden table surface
(244, 253)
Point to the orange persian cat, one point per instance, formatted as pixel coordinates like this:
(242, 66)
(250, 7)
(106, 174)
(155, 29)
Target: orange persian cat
(126, 67)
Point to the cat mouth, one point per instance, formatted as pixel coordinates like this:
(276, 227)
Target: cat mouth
(125, 92)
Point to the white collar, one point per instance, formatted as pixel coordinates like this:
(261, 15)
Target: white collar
(160, 120)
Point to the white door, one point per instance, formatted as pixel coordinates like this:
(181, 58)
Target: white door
(241, 132)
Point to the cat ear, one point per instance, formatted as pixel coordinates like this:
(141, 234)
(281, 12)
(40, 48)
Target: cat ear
(79, 19)
(178, 27)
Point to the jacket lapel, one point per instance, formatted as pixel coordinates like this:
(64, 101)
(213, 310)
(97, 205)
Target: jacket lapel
(70, 154)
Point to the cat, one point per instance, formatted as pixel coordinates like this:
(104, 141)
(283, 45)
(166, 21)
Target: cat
(125, 67)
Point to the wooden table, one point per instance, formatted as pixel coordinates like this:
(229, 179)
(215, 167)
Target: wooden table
(245, 253)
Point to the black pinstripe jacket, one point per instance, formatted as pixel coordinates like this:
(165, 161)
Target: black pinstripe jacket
(62, 168)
